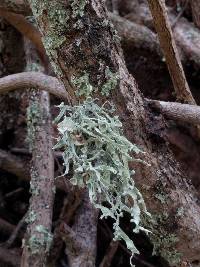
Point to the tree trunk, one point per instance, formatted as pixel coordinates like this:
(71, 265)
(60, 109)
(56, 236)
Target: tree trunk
(83, 41)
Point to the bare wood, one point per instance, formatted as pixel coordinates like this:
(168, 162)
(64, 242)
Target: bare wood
(32, 79)
(195, 4)
(38, 236)
(170, 51)
(176, 111)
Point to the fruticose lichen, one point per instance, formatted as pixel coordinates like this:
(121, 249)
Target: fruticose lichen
(92, 141)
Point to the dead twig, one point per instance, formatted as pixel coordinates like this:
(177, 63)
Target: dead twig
(38, 236)
(16, 231)
(27, 29)
(168, 45)
(177, 111)
(32, 79)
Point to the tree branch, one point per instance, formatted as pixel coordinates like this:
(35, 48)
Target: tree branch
(38, 237)
(27, 29)
(35, 80)
(176, 111)
(170, 51)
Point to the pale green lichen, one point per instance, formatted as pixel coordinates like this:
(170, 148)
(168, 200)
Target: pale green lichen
(32, 216)
(33, 116)
(78, 7)
(164, 242)
(93, 142)
(35, 242)
(84, 88)
(112, 81)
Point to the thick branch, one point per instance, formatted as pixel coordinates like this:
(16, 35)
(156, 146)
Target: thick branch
(35, 80)
(170, 51)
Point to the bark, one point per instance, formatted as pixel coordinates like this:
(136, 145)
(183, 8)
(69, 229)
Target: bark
(15, 5)
(38, 237)
(195, 4)
(92, 48)
(81, 238)
(32, 79)
(188, 44)
(176, 111)
(170, 51)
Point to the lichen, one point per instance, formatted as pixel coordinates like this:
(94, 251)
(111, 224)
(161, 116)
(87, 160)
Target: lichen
(82, 84)
(164, 242)
(93, 143)
(111, 82)
(78, 7)
(35, 242)
(33, 117)
(32, 216)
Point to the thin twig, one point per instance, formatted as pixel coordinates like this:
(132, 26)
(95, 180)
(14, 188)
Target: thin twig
(168, 45)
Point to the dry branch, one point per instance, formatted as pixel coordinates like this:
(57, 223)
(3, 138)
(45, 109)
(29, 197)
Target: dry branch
(38, 236)
(176, 111)
(35, 80)
(186, 35)
(27, 29)
(170, 51)
(14, 165)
